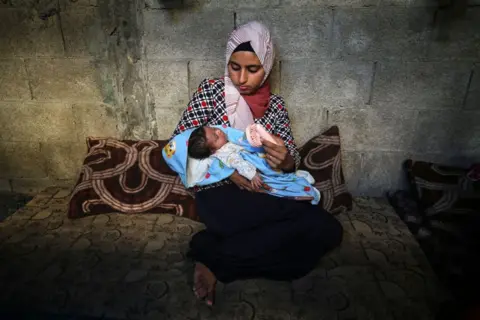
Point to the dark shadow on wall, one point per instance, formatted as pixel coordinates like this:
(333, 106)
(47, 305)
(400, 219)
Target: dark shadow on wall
(178, 5)
(447, 133)
(452, 25)
(44, 8)
(451, 11)
(167, 4)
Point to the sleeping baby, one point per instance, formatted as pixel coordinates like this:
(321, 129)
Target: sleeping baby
(205, 142)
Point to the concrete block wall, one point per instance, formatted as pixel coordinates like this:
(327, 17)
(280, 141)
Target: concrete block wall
(377, 69)
(385, 71)
(62, 70)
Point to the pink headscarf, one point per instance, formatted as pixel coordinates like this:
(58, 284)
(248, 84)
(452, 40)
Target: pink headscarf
(238, 111)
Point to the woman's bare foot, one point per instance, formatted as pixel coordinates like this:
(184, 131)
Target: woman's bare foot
(204, 283)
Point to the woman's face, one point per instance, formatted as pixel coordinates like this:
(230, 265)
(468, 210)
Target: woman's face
(246, 72)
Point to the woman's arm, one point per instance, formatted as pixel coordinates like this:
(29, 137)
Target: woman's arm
(282, 129)
(198, 110)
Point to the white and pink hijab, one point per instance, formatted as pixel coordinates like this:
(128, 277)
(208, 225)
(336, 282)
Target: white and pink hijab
(242, 110)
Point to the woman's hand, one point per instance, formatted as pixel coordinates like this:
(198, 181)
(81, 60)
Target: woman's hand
(278, 156)
(242, 182)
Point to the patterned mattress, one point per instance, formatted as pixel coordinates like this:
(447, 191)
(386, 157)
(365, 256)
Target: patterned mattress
(116, 266)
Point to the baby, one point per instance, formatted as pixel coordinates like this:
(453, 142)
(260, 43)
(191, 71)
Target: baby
(208, 155)
(206, 141)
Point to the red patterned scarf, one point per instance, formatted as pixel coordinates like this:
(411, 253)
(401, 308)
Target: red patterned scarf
(259, 101)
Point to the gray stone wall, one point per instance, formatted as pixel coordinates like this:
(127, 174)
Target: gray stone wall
(396, 79)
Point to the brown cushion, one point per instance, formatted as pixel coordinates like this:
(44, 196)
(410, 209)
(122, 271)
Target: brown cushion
(450, 219)
(129, 177)
(321, 156)
(441, 188)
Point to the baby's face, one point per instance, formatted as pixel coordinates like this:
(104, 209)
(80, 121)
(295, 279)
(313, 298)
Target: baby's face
(216, 138)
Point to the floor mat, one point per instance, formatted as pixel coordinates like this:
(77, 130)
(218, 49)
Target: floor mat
(119, 266)
(11, 202)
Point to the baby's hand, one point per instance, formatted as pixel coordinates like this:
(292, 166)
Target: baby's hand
(256, 182)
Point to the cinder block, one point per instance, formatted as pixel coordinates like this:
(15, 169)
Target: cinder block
(296, 33)
(65, 79)
(374, 130)
(83, 33)
(473, 97)
(459, 40)
(25, 34)
(63, 160)
(34, 186)
(447, 132)
(38, 5)
(409, 3)
(334, 84)
(42, 6)
(21, 160)
(165, 4)
(13, 80)
(275, 78)
(467, 132)
(381, 172)
(13, 4)
(95, 120)
(69, 4)
(169, 83)
(167, 120)
(435, 131)
(421, 85)
(307, 122)
(187, 35)
(36, 122)
(236, 4)
(200, 70)
(106, 79)
(386, 33)
(5, 185)
(352, 169)
(461, 159)
(158, 4)
(464, 159)
(330, 3)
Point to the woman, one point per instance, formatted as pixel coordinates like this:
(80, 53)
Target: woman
(250, 234)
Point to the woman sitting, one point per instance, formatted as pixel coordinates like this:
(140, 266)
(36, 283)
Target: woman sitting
(251, 234)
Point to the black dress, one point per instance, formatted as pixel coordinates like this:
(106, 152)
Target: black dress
(254, 235)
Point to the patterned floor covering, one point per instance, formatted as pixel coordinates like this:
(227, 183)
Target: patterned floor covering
(118, 266)
(11, 202)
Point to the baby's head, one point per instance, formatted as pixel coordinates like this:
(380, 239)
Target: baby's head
(204, 141)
